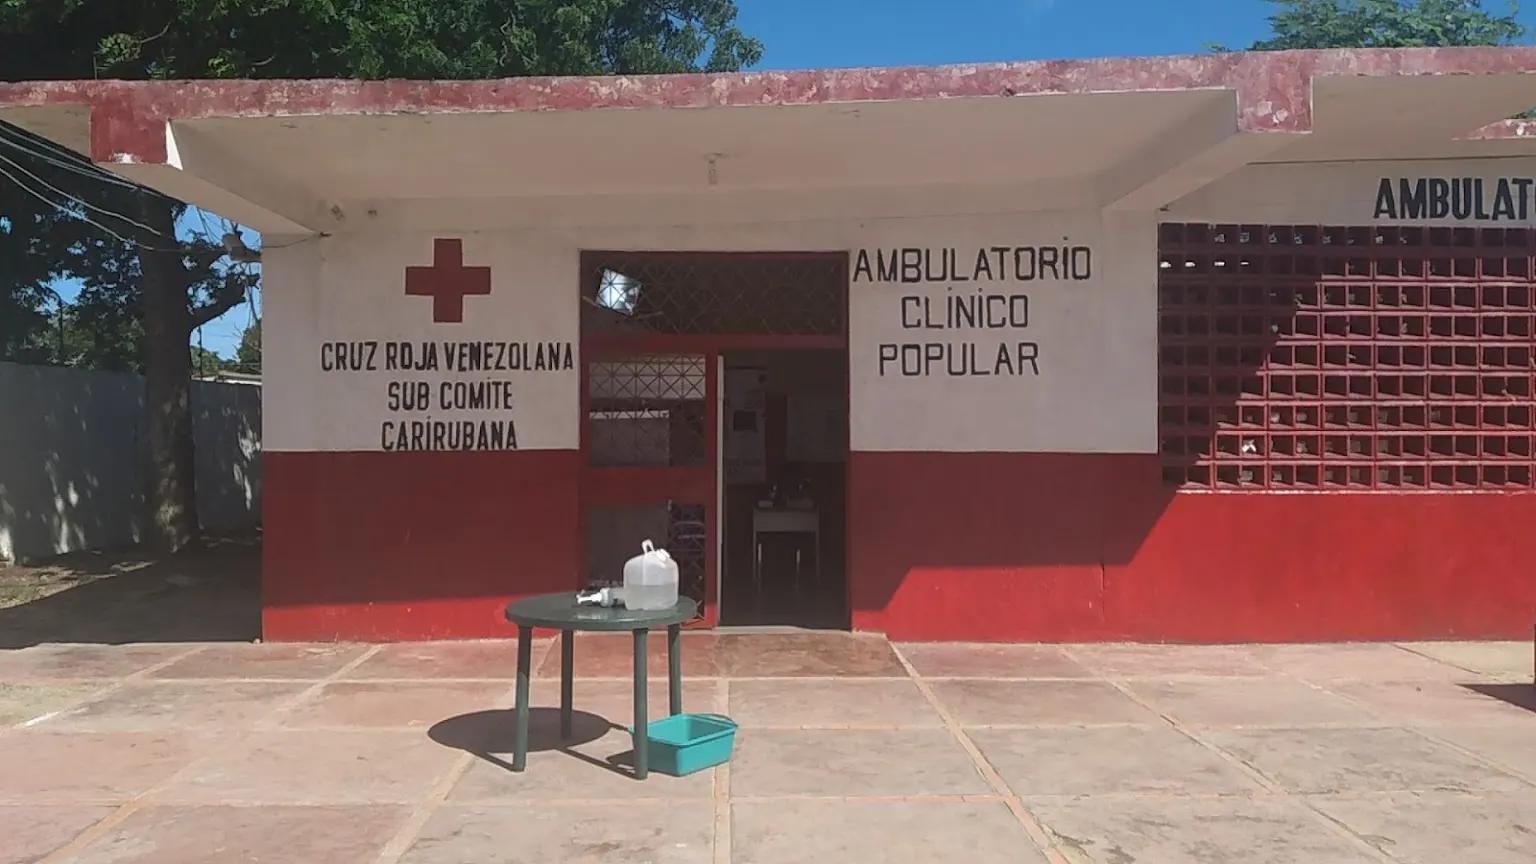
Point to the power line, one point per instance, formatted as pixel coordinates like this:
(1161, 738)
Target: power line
(24, 142)
(82, 202)
(202, 216)
(81, 216)
(25, 145)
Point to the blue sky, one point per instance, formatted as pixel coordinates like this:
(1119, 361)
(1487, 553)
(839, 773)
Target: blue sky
(801, 34)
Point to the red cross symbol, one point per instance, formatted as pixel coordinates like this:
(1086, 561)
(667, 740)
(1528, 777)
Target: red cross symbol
(447, 281)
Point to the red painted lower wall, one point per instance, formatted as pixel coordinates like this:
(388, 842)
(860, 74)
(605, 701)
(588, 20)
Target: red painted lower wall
(966, 546)
(1048, 547)
(412, 546)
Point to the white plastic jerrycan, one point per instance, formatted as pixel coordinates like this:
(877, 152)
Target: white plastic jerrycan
(650, 579)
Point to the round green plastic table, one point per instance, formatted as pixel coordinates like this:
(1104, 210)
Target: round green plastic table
(560, 612)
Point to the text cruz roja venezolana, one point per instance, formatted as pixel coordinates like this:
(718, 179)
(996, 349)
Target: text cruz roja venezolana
(417, 398)
(974, 300)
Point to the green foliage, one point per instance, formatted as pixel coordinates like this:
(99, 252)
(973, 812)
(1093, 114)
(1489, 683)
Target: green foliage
(1389, 24)
(449, 39)
(62, 221)
(25, 299)
(248, 353)
(205, 363)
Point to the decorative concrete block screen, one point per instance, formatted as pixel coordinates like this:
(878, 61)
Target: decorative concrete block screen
(1297, 357)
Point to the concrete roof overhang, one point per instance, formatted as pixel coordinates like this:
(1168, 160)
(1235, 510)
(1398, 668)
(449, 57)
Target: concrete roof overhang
(300, 157)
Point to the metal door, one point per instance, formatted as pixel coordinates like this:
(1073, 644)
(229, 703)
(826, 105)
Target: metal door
(650, 454)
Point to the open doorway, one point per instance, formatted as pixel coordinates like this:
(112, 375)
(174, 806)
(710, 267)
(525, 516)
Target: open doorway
(659, 330)
(784, 449)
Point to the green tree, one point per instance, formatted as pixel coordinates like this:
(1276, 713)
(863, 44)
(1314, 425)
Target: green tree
(101, 329)
(205, 363)
(132, 232)
(1389, 24)
(28, 309)
(28, 333)
(248, 353)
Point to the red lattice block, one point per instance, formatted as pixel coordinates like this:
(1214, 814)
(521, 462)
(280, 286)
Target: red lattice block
(1346, 358)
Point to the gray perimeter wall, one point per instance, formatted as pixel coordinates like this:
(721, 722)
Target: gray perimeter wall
(72, 459)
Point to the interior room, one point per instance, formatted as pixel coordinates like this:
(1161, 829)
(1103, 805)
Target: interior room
(784, 454)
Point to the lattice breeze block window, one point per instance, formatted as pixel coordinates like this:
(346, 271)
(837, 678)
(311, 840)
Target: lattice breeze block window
(1295, 357)
(695, 293)
(646, 411)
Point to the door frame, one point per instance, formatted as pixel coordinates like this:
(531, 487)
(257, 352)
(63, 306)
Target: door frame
(604, 485)
(647, 485)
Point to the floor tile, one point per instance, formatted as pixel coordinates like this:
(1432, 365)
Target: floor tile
(1437, 828)
(598, 768)
(1359, 661)
(927, 832)
(29, 833)
(110, 662)
(1179, 830)
(612, 655)
(1017, 703)
(1512, 747)
(1502, 661)
(990, 660)
(854, 763)
(266, 660)
(615, 700)
(630, 834)
(165, 705)
(434, 661)
(42, 766)
(826, 702)
(795, 655)
(1324, 761)
(1244, 702)
(1110, 760)
(393, 704)
(1157, 661)
(270, 835)
(1432, 703)
(20, 703)
(319, 767)
(1425, 759)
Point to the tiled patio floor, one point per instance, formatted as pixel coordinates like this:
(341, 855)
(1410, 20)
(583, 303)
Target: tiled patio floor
(850, 750)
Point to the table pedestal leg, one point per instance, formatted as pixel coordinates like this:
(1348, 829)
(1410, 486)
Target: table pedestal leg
(567, 675)
(642, 711)
(757, 567)
(524, 670)
(675, 669)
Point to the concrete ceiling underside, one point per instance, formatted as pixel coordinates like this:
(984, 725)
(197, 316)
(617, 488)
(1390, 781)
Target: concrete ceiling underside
(290, 157)
(663, 151)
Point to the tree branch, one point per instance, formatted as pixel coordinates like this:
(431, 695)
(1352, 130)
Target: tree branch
(203, 256)
(227, 298)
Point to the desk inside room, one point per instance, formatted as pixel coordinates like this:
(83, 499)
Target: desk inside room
(784, 489)
(805, 523)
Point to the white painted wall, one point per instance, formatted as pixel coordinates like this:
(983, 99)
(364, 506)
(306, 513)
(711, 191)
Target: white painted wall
(1092, 387)
(1350, 193)
(1097, 342)
(72, 459)
(350, 290)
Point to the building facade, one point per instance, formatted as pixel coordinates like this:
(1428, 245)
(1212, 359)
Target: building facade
(1232, 348)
